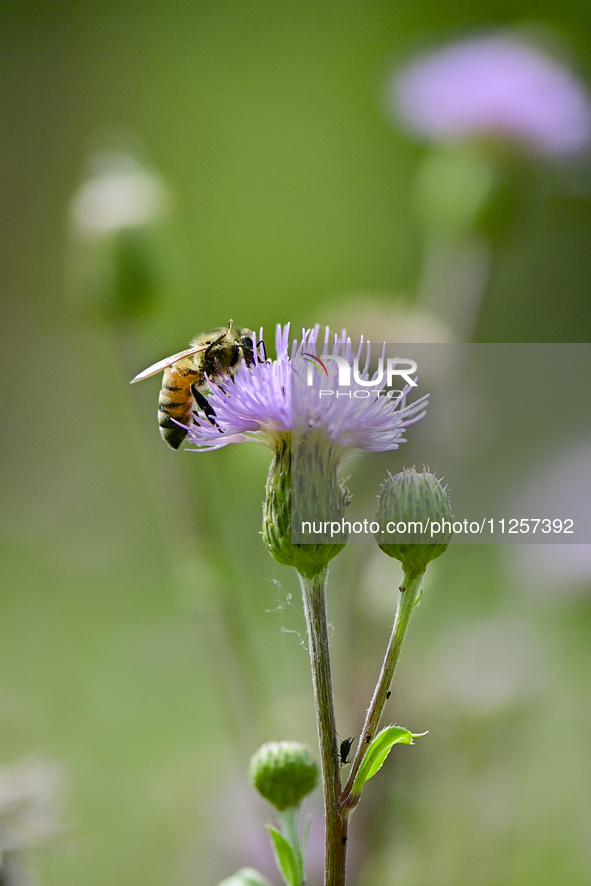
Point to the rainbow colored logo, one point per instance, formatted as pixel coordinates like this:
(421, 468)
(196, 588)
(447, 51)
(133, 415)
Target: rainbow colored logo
(311, 358)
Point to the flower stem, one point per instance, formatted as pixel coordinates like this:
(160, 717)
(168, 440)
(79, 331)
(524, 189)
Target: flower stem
(410, 590)
(336, 818)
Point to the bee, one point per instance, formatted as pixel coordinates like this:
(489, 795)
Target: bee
(187, 374)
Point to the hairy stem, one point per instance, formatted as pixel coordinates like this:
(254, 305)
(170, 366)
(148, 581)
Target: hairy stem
(336, 818)
(409, 596)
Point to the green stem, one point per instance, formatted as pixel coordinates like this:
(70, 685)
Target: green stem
(336, 818)
(409, 595)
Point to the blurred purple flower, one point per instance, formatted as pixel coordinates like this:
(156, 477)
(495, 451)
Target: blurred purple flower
(494, 86)
(258, 403)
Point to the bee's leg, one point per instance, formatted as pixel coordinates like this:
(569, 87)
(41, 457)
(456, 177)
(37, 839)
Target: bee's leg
(204, 404)
(248, 352)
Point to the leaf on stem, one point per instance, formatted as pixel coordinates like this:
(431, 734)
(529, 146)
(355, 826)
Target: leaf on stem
(378, 751)
(285, 857)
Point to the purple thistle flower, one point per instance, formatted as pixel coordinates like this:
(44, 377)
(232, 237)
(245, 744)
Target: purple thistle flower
(270, 400)
(276, 403)
(494, 86)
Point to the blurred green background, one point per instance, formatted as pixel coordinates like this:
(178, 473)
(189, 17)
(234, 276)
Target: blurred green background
(148, 643)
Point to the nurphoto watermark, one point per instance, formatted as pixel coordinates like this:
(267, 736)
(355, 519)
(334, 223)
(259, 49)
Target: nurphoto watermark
(495, 421)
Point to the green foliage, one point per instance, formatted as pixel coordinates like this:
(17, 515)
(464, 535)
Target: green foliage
(286, 857)
(378, 751)
(293, 194)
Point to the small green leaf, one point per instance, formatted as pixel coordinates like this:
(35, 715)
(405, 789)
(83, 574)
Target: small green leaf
(378, 751)
(285, 857)
(246, 877)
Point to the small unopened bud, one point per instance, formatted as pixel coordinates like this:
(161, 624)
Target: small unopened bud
(283, 772)
(415, 518)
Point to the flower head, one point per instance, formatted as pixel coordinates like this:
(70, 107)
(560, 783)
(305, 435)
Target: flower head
(273, 399)
(494, 86)
(277, 403)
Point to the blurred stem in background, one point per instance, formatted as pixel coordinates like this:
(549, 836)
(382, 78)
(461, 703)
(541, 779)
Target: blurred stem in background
(120, 272)
(485, 103)
(451, 189)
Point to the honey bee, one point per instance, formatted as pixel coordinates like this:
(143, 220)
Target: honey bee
(210, 356)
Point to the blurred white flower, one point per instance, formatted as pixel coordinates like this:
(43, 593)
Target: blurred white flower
(118, 259)
(119, 193)
(494, 86)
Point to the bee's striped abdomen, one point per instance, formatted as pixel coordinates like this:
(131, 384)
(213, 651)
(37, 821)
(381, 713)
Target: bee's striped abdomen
(211, 356)
(176, 400)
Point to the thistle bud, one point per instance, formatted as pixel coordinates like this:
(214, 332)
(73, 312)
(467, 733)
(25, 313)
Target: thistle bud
(415, 517)
(312, 477)
(283, 772)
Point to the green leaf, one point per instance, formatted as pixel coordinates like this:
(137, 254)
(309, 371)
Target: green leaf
(285, 857)
(246, 877)
(378, 751)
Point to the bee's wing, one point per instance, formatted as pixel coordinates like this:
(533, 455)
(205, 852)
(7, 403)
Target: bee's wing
(155, 368)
